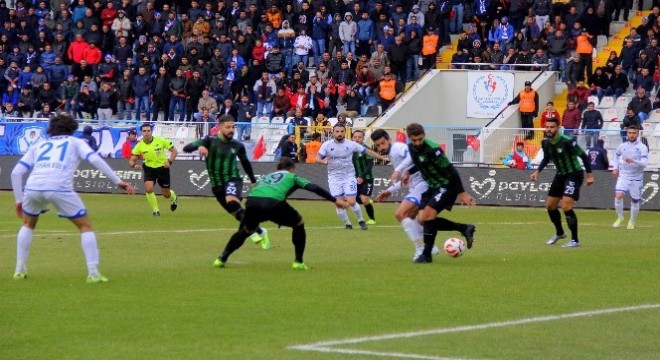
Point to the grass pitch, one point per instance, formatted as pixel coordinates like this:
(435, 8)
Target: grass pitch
(165, 301)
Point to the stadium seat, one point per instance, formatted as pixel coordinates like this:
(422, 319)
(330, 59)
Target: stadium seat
(594, 99)
(654, 159)
(360, 122)
(622, 102)
(333, 121)
(654, 116)
(609, 114)
(277, 120)
(261, 120)
(606, 103)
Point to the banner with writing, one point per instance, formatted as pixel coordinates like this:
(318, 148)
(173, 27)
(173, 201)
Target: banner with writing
(488, 93)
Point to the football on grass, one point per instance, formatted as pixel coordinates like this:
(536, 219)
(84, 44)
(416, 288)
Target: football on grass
(454, 247)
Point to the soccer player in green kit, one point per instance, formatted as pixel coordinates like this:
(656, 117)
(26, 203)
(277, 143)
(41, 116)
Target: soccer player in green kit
(564, 152)
(363, 165)
(445, 187)
(226, 183)
(267, 202)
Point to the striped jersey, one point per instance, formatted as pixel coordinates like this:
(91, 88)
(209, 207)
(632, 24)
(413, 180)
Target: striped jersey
(564, 153)
(432, 163)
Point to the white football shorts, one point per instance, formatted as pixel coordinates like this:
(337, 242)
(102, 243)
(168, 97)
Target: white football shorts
(67, 203)
(343, 187)
(631, 186)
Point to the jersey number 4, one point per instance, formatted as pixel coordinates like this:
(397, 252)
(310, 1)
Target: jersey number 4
(46, 147)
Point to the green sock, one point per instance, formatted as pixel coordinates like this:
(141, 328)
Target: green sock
(172, 196)
(153, 202)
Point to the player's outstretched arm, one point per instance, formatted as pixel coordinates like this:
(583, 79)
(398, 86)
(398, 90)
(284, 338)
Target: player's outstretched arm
(100, 164)
(376, 155)
(320, 192)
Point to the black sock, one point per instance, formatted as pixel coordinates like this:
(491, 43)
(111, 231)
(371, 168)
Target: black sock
(235, 209)
(370, 211)
(235, 242)
(555, 217)
(572, 221)
(430, 231)
(298, 237)
(442, 224)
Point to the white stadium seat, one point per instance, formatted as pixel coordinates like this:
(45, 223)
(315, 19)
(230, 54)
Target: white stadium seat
(333, 121)
(609, 114)
(654, 116)
(606, 103)
(278, 120)
(654, 159)
(622, 102)
(261, 120)
(593, 99)
(360, 122)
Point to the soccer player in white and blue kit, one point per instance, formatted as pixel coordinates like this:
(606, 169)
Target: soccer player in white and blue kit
(338, 155)
(630, 159)
(407, 211)
(52, 163)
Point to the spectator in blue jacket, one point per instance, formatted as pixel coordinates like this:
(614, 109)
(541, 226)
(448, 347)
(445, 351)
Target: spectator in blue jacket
(366, 32)
(505, 35)
(320, 28)
(57, 73)
(141, 87)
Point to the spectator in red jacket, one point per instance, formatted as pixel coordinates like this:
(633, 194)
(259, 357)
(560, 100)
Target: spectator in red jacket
(571, 119)
(299, 100)
(108, 14)
(92, 54)
(76, 49)
(549, 112)
(129, 144)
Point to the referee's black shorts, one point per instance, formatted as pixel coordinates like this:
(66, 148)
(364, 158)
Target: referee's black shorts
(160, 175)
(567, 185)
(258, 210)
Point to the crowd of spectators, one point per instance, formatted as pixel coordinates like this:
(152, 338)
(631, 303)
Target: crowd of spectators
(194, 59)
(519, 34)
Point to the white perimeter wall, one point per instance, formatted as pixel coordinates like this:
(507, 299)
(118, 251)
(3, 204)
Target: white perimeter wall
(440, 98)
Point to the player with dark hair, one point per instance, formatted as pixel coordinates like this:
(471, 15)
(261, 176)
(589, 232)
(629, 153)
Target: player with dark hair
(444, 187)
(630, 159)
(337, 153)
(564, 152)
(363, 165)
(220, 152)
(267, 202)
(52, 163)
(153, 149)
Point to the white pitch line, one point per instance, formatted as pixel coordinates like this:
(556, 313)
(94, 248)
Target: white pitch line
(327, 346)
(12, 233)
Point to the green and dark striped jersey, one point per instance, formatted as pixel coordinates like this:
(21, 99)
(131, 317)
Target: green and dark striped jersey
(363, 165)
(221, 162)
(432, 163)
(564, 153)
(278, 185)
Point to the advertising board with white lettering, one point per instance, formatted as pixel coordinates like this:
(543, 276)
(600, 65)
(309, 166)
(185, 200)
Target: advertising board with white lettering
(499, 187)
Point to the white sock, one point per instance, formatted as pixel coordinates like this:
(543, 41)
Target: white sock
(343, 216)
(358, 211)
(23, 241)
(413, 230)
(618, 206)
(88, 242)
(634, 211)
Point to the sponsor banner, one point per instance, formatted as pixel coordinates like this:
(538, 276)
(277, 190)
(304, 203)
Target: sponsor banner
(17, 138)
(488, 93)
(501, 187)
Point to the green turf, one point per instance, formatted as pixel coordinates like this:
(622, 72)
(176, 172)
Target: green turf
(165, 301)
